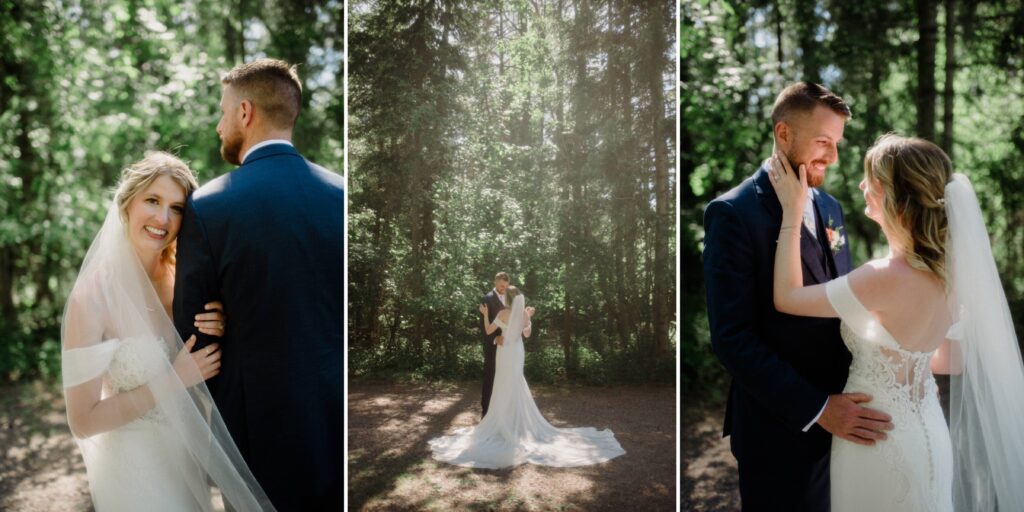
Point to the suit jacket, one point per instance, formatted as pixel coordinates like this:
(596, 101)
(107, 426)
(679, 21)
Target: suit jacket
(267, 239)
(494, 306)
(783, 367)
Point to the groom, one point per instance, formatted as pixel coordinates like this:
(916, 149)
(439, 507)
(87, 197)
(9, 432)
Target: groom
(788, 372)
(267, 241)
(495, 302)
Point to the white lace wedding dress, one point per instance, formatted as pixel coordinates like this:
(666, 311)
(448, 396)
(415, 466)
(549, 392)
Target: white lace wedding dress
(912, 470)
(149, 442)
(140, 466)
(514, 432)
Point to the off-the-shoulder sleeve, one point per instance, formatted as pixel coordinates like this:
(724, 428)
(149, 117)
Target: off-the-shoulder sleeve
(850, 309)
(80, 365)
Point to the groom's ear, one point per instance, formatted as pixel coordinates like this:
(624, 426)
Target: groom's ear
(782, 132)
(246, 112)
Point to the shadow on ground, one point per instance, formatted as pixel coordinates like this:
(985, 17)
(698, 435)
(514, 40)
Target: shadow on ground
(40, 467)
(390, 467)
(709, 479)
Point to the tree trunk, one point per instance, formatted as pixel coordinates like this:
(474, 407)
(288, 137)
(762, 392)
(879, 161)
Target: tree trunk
(927, 40)
(806, 26)
(947, 89)
(661, 276)
(779, 55)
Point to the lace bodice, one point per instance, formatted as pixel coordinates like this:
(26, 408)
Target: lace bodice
(901, 384)
(136, 361)
(878, 359)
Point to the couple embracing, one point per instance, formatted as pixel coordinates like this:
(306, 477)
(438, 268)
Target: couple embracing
(248, 270)
(833, 403)
(512, 430)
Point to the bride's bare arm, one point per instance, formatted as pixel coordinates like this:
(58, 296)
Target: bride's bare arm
(488, 326)
(88, 413)
(947, 360)
(789, 293)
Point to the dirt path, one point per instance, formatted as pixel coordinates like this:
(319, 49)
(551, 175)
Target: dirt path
(709, 480)
(389, 464)
(40, 467)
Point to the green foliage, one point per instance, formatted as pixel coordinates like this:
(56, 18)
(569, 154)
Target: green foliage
(86, 90)
(512, 136)
(733, 64)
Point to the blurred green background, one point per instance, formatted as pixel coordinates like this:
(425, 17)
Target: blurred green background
(949, 71)
(86, 87)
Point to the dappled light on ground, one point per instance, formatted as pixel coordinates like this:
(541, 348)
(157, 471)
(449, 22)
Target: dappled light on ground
(390, 467)
(40, 467)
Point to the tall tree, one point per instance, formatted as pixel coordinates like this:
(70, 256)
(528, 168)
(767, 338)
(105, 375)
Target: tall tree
(948, 93)
(927, 26)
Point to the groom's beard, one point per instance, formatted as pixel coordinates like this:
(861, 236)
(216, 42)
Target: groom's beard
(814, 179)
(231, 149)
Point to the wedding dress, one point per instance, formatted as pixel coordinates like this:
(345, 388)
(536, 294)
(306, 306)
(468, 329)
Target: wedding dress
(514, 432)
(911, 470)
(975, 464)
(117, 340)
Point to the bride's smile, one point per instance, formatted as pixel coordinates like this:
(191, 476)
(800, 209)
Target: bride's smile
(154, 216)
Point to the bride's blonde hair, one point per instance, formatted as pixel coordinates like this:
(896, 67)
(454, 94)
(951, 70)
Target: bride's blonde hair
(913, 173)
(511, 293)
(140, 175)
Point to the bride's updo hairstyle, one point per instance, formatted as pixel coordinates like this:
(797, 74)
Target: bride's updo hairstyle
(510, 294)
(913, 173)
(139, 176)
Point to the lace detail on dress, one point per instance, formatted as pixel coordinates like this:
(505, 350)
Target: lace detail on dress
(901, 384)
(134, 363)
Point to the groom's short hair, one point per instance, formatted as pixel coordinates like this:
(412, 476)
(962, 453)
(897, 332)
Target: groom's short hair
(272, 86)
(501, 276)
(802, 97)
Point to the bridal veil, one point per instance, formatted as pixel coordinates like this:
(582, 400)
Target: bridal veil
(987, 388)
(117, 337)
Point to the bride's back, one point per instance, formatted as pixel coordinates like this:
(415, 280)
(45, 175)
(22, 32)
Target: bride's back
(910, 303)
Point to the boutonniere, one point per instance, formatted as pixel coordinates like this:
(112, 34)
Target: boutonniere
(836, 236)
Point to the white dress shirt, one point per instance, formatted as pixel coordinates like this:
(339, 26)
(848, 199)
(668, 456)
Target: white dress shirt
(809, 214)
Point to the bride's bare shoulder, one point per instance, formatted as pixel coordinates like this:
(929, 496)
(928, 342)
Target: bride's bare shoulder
(885, 281)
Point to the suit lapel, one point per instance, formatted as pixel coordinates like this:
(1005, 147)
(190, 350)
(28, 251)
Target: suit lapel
(810, 249)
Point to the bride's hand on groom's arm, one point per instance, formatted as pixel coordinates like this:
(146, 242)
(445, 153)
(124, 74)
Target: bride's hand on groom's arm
(195, 367)
(843, 417)
(213, 321)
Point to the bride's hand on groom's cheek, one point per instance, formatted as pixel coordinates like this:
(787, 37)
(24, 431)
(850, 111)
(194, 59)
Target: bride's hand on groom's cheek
(214, 321)
(790, 187)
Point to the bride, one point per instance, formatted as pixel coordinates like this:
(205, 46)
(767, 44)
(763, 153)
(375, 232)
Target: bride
(514, 432)
(136, 400)
(934, 304)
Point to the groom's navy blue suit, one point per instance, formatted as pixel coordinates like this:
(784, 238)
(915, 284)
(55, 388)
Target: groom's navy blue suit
(783, 367)
(267, 239)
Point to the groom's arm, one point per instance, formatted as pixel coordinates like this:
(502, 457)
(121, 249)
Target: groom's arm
(195, 282)
(753, 364)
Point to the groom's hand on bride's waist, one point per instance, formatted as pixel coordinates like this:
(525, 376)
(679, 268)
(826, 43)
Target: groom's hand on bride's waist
(844, 417)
